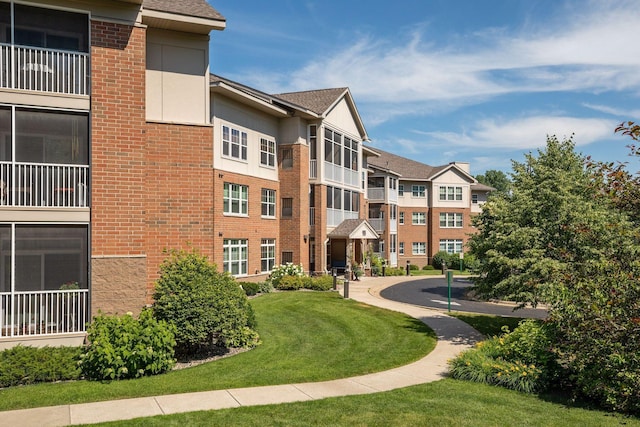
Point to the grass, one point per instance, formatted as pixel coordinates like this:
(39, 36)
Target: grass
(442, 403)
(438, 272)
(307, 336)
(487, 325)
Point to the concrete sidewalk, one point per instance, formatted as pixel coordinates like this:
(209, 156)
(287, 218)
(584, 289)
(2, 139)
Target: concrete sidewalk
(453, 337)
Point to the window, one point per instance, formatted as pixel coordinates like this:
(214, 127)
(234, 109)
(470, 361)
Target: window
(267, 152)
(401, 248)
(474, 199)
(452, 246)
(450, 220)
(267, 255)
(400, 189)
(401, 218)
(340, 199)
(392, 183)
(332, 147)
(393, 212)
(419, 248)
(393, 243)
(268, 203)
(235, 199)
(234, 256)
(418, 191)
(451, 193)
(313, 142)
(350, 154)
(234, 143)
(287, 158)
(287, 207)
(287, 256)
(418, 218)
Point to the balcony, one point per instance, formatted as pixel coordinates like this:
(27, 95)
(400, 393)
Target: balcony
(43, 185)
(381, 195)
(40, 313)
(378, 224)
(44, 70)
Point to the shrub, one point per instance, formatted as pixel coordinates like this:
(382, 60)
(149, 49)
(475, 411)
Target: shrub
(250, 288)
(413, 267)
(205, 306)
(394, 271)
(471, 263)
(23, 365)
(266, 287)
(452, 260)
(123, 347)
(428, 267)
(288, 269)
(520, 360)
(290, 283)
(320, 283)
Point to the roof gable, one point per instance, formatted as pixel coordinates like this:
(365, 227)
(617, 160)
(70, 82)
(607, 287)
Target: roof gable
(354, 229)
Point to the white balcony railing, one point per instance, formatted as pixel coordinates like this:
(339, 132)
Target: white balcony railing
(44, 70)
(43, 312)
(378, 224)
(336, 216)
(375, 193)
(43, 185)
(393, 225)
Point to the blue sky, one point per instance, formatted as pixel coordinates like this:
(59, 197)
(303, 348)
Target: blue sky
(451, 80)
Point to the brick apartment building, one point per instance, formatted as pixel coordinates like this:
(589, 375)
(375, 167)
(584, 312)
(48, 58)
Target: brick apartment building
(118, 143)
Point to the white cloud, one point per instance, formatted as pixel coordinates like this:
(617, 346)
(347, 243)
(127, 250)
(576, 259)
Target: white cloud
(526, 133)
(622, 113)
(592, 48)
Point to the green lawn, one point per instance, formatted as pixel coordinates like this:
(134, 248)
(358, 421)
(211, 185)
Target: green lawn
(307, 336)
(442, 403)
(486, 324)
(438, 272)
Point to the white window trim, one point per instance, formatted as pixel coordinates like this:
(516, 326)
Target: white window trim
(243, 249)
(457, 245)
(421, 190)
(271, 202)
(267, 244)
(454, 218)
(243, 142)
(242, 202)
(271, 145)
(421, 216)
(419, 248)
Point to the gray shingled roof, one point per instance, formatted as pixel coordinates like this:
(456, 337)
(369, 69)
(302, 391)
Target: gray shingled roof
(317, 101)
(195, 8)
(407, 168)
(345, 228)
(481, 187)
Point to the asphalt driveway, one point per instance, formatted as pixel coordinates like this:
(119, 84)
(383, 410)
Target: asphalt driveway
(432, 292)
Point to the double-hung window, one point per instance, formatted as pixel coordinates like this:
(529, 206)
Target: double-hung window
(268, 203)
(235, 199)
(234, 143)
(418, 218)
(234, 256)
(452, 246)
(419, 248)
(418, 191)
(267, 152)
(451, 193)
(267, 255)
(450, 220)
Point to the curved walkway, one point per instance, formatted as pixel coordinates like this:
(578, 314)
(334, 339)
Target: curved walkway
(453, 337)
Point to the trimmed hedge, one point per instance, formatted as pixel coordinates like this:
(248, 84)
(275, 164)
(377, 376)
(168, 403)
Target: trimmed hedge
(22, 365)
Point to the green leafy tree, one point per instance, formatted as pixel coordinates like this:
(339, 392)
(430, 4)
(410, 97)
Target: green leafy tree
(550, 223)
(562, 240)
(496, 179)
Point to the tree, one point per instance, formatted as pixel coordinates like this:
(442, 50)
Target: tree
(496, 179)
(564, 237)
(550, 223)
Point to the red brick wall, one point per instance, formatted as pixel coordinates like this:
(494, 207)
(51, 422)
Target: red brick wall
(118, 144)
(438, 233)
(254, 228)
(409, 233)
(294, 183)
(179, 192)
(118, 150)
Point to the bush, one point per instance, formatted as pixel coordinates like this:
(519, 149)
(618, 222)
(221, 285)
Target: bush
(452, 260)
(250, 288)
(428, 267)
(22, 365)
(320, 283)
(288, 269)
(205, 306)
(413, 267)
(266, 287)
(290, 283)
(471, 263)
(394, 271)
(123, 347)
(520, 360)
